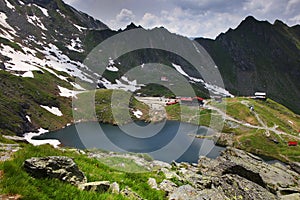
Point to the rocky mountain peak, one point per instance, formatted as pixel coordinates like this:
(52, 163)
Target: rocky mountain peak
(132, 26)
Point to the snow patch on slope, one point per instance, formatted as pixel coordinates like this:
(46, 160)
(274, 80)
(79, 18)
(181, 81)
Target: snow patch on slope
(212, 88)
(125, 84)
(9, 5)
(28, 137)
(19, 61)
(28, 74)
(34, 20)
(61, 14)
(138, 114)
(28, 118)
(44, 10)
(75, 45)
(64, 92)
(10, 30)
(61, 62)
(111, 65)
(53, 110)
(180, 70)
(80, 28)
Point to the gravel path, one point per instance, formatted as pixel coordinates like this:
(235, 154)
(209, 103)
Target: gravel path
(262, 127)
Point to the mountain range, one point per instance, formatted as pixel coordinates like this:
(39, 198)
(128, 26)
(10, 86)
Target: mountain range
(45, 42)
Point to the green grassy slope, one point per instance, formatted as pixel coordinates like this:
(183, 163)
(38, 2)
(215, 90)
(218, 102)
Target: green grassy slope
(254, 137)
(23, 96)
(16, 181)
(101, 100)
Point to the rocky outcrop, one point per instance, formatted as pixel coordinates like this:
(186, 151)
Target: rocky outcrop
(152, 183)
(167, 186)
(237, 187)
(244, 167)
(60, 167)
(295, 166)
(185, 192)
(233, 175)
(7, 150)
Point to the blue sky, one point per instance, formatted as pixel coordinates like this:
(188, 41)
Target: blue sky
(191, 18)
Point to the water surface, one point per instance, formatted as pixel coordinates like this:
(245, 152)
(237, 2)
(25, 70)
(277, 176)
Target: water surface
(166, 141)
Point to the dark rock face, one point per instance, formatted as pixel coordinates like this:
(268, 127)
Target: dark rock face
(62, 168)
(295, 166)
(245, 173)
(251, 56)
(235, 186)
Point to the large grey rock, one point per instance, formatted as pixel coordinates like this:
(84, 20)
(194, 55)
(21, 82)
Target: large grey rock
(114, 188)
(167, 186)
(236, 187)
(295, 196)
(233, 161)
(190, 174)
(152, 183)
(60, 167)
(156, 164)
(170, 174)
(185, 192)
(98, 186)
(212, 194)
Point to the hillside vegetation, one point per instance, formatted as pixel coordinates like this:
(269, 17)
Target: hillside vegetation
(266, 130)
(21, 97)
(16, 181)
(110, 106)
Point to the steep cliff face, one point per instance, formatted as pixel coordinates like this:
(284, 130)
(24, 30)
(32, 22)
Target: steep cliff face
(259, 56)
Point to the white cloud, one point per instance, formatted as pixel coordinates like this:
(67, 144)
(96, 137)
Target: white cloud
(295, 20)
(193, 18)
(125, 16)
(207, 24)
(150, 20)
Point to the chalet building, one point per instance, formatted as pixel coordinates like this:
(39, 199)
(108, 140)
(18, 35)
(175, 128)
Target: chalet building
(260, 95)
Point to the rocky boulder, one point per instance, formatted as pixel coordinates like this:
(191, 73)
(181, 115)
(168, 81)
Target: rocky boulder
(236, 187)
(60, 167)
(152, 183)
(114, 188)
(184, 192)
(250, 167)
(167, 186)
(98, 186)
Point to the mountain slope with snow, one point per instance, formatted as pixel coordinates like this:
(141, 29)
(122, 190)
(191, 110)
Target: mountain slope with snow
(43, 45)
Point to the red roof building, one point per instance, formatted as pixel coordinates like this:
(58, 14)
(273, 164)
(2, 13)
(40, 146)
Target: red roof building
(292, 143)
